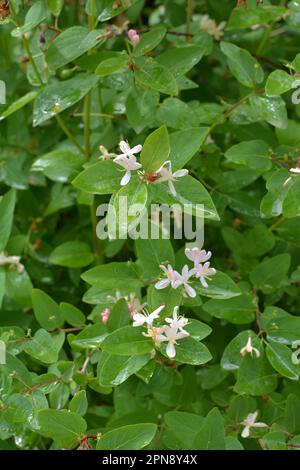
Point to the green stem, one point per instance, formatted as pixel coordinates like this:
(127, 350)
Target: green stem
(68, 133)
(86, 120)
(189, 13)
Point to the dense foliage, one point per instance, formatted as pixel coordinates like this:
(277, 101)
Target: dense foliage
(173, 101)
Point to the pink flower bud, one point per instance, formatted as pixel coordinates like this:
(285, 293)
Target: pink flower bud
(133, 36)
(105, 315)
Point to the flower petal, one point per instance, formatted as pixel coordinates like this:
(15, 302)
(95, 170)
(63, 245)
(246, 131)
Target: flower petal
(126, 178)
(170, 350)
(180, 173)
(162, 284)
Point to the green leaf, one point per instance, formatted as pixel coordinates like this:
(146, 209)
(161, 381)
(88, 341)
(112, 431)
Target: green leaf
(109, 9)
(149, 41)
(58, 165)
(156, 77)
(44, 346)
(220, 287)
(253, 153)
(180, 60)
(102, 177)
(280, 358)
(55, 6)
(156, 150)
(243, 66)
(112, 65)
(127, 341)
(152, 253)
(271, 109)
(34, 16)
(19, 104)
(292, 414)
(46, 310)
(245, 18)
(127, 209)
(7, 206)
(112, 276)
(71, 44)
(91, 337)
(279, 82)
(184, 144)
(73, 254)
(280, 326)
(79, 403)
(232, 358)
(132, 437)
(64, 427)
(255, 376)
(271, 273)
(238, 310)
(114, 370)
(291, 202)
(119, 315)
(211, 435)
(59, 96)
(189, 351)
(71, 314)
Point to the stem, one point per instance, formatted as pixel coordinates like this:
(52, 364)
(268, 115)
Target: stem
(68, 133)
(86, 120)
(189, 12)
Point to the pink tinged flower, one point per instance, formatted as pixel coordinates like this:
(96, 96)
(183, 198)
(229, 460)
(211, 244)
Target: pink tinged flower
(171, 335)
(133, 36)
(127, 160)
(171, 277)
(203, 272)
(105, 315)
(197, 255)
(127, 151)
(249, 349)
(139, 319)
(177, 321)
(165, 174)
(183, 279)
(250, 422)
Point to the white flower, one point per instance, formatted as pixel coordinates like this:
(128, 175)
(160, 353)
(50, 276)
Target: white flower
(165, 174)
(197, 255)
(295, 170)
(105, 154)
(249, 349)
(140, 318)
(171, 335)
(171, 277)
(204, 271)
(12, 261)
(127, 160)
(178, 322)
(250, 422)
(155, 333)
(210, 26)
(183, 279)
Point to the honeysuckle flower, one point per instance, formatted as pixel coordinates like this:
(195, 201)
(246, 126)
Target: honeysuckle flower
(183, 279)
(209, 26)
(139, 319)
(197, 255)
(127, 151)
(249, 349)
(133, 36)
(156, 334)
(204, 271)
(105, 154)
(127, 160)
(250, 422)
(295, 170)
(165, 174)
(105, 315)
(171, 335)
(134, 304)
(171, 277)
(177, 321)
(12, 261)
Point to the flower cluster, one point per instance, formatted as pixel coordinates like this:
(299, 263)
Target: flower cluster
(170, 332)
(12, 261)
(128, 161)
(201, 270)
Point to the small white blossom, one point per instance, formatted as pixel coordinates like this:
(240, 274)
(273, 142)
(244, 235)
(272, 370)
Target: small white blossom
(171, 277)
(183, 279)
(250, 422)
(249, 349)
(197, 255)
(176, 321)
(204, 271)
(12, 261)
(295, 170)
(165, 174)
(156, 334)
(140, 318)
(127, 160)
(209, 26)
(171, 335)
